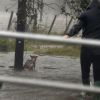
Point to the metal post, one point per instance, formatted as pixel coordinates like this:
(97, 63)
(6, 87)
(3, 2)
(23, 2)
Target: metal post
(10, 20)
(21, 22)
(41, 10)
(68, 25)
(52, 24)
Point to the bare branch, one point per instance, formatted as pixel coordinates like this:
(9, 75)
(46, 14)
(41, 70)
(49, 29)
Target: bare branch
(11, 6)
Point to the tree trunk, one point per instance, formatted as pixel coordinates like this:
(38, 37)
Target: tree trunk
(21, 22)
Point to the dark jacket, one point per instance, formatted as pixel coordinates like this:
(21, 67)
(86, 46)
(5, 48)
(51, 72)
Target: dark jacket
(89, 22)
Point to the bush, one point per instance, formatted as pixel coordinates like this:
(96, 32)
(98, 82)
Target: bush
(6, 45)
(3, 44)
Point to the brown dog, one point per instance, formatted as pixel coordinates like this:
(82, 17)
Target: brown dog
(30, 64)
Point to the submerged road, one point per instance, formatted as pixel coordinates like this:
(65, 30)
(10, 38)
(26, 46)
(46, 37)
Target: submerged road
(57, 68)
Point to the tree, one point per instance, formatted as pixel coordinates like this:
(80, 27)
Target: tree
(35, 6)
(76, 7)
(29, 9)
(21, 22)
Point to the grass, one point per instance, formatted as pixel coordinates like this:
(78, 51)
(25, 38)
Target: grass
(67, 50)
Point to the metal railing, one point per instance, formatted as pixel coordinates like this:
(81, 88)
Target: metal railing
(57, 39)
(47, 83)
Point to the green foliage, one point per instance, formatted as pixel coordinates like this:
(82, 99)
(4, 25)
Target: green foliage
(67, 50)
(76, 7)
(11, 45)
(35, 6)
(84, 4)
(7, 45)
(3, 44)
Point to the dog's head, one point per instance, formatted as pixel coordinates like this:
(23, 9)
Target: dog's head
(33, 58)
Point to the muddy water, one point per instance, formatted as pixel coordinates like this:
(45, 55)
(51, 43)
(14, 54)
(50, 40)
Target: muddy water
(60, 68)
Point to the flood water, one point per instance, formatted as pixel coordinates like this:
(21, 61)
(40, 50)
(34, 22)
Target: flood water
(57, 68)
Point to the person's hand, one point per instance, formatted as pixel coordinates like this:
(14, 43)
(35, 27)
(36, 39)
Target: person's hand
(65, 36)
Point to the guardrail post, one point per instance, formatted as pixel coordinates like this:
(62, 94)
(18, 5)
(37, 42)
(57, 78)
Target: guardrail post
(11, 16)
(52, 24)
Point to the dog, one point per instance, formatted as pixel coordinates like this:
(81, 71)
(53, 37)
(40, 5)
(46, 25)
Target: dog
(30, 64)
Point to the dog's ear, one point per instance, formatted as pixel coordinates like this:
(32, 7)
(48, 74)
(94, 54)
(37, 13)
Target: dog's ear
(33, 57)
(30, 56)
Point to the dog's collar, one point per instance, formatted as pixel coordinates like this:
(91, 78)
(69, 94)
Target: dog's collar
(32, 62)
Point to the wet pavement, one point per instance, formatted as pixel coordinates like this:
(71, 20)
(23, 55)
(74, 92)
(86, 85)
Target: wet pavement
(57, 68)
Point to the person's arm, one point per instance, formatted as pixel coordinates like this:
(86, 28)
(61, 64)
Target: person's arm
(75, 29)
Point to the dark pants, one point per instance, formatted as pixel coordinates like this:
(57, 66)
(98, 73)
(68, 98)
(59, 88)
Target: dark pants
(86, 61)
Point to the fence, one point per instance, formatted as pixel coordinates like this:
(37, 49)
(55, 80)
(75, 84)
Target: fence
(46, 83)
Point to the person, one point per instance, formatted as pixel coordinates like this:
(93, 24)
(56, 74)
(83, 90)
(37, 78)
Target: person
(89, 22)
